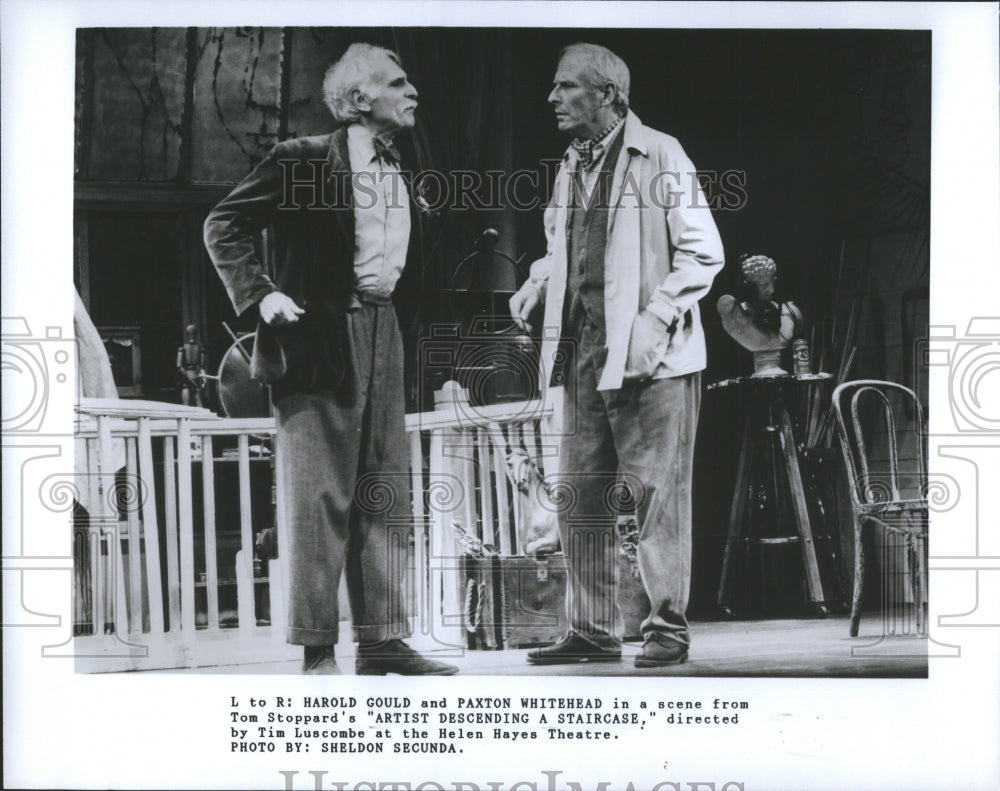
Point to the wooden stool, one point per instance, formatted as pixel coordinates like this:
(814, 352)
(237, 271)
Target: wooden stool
(767, 420)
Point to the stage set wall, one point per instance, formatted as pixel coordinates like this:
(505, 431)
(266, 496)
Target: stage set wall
(828, 131)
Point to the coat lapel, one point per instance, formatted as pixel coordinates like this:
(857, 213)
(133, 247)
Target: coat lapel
(339, 172)
(628, 167)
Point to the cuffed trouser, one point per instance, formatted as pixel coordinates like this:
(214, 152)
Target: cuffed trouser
(345, 476)
(643, 435)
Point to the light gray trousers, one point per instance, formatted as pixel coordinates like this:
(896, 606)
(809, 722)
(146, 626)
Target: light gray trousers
(345, 475)
(642, 434)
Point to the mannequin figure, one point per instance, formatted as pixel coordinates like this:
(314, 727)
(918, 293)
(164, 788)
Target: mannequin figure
(191, 367)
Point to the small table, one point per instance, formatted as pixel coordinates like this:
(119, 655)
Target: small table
(767, 420)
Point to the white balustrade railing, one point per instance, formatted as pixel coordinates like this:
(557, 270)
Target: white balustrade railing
(466, 482)
(151, 589)
(164, 551)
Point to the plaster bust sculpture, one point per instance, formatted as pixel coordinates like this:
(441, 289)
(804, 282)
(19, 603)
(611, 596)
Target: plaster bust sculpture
(760, 324)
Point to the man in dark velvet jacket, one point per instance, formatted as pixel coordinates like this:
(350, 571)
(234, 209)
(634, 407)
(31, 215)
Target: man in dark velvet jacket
(328, 343)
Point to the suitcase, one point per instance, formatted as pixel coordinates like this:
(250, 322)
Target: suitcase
(518, 602)
(532, 599)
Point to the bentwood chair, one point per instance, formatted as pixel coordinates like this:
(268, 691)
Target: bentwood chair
(880, 428)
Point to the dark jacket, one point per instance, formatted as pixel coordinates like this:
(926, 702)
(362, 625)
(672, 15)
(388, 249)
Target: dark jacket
(302, 192)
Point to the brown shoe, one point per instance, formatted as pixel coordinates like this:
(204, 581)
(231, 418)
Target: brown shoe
(395, 656)
(319, 661)
(661, 652)
(571, 649)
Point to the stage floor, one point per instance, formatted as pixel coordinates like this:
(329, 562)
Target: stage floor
(806, 648)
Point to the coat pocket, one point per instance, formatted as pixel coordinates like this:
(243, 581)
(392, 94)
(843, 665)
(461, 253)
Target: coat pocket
(647, 346)
(268, 363)
(309, 355)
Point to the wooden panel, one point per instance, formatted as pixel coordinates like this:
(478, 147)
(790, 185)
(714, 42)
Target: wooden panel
(84, 106)
(235, 114)
(138, 103)
(134, 269)
(312, 52)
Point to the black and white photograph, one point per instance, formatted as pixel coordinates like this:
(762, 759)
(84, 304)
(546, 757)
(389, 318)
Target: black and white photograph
(572, 368)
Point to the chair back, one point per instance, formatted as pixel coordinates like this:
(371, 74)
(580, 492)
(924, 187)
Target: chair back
(868, 410)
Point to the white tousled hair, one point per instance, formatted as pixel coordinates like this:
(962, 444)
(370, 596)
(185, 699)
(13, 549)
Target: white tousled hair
(602, 67)
(358, 69)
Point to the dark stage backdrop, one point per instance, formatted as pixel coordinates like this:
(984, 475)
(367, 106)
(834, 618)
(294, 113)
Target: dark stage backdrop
(826, 132)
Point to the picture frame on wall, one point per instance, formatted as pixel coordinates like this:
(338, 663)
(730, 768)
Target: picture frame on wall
(124, 348)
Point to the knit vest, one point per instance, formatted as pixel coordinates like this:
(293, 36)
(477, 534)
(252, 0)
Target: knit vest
(586, 240)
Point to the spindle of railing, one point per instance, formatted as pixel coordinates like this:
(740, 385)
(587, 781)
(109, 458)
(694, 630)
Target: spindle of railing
(116, 579)
(446, 490)
(108, 521)
(170, 532)
(503, 488)
(421, 609)
(133, 494)
(150, 528)
(208, 509)
(94, 538)
(514, 439)
(244, 558)
(467, 483)
(486, 485)
(186, 525)
(278, 568)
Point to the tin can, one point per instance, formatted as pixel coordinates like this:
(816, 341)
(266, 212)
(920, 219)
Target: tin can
(800, 356)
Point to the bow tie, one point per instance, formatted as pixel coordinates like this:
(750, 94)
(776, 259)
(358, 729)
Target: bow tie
(385, 152)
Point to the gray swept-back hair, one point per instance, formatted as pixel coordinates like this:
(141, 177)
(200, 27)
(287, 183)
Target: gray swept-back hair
(602, 67)
(358, 69)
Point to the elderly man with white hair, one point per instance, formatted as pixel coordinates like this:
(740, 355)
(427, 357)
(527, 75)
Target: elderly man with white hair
(632, 247)
(328, 343)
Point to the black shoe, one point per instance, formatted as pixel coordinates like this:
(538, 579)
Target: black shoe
(571, 649)
(661, 652)
(319, 661)
(395, 656)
